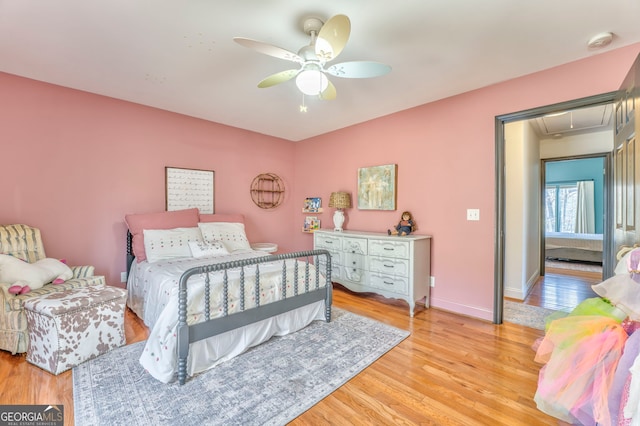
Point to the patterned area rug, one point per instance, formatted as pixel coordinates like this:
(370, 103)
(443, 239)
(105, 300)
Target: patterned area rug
(272, 383)
(527, 315)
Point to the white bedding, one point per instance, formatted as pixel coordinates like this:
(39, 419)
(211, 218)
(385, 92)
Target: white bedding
(153, 296)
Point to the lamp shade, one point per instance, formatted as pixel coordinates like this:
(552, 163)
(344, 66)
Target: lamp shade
(340, 200)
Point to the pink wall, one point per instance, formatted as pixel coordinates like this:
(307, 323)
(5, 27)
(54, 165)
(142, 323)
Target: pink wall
(445, 154)
(75, 163)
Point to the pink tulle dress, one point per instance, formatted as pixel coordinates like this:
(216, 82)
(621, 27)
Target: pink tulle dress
(580, 353)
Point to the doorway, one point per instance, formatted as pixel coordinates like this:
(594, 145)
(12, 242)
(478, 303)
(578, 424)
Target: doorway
(534, 229)
(572, 203)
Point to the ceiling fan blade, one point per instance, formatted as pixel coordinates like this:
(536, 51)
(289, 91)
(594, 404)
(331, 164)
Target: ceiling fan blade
(329, 93)
(358, 69)
(333, 37)
(278, 78)
(268, 49)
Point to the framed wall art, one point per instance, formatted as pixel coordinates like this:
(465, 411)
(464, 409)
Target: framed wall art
(377, 187)
(188, 188)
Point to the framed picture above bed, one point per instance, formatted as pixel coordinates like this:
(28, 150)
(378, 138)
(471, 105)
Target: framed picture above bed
(188, 188)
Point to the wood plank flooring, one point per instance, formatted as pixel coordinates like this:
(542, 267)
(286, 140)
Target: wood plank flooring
(451, 370)
(563, 289)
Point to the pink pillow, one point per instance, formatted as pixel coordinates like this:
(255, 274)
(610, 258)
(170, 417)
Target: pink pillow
(237, 218)
(163, 220)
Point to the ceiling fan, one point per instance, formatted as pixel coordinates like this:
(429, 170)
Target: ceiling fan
(327, 41)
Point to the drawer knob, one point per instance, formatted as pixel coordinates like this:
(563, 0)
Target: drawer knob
(387, 283)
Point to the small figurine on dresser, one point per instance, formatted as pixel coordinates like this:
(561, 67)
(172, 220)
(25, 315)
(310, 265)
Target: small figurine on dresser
(406, 225)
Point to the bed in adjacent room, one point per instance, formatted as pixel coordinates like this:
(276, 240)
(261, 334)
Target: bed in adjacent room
(574, 247)
(206, 296)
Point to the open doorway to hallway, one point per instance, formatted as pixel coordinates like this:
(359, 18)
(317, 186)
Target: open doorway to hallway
(573, 200)
(581, 128)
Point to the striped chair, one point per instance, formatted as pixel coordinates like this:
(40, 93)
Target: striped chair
(24, 242)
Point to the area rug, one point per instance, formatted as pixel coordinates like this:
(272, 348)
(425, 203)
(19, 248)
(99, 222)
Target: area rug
(270, 384)
(527, 315)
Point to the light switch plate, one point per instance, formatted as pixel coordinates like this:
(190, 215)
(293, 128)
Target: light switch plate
(473, 214)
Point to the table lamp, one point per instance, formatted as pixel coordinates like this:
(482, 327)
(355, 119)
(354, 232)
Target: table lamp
(339, 200)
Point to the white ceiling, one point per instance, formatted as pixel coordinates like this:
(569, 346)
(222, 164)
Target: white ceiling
(180, 56)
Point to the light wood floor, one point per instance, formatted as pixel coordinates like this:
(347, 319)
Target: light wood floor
(563, 289)
(451, 370)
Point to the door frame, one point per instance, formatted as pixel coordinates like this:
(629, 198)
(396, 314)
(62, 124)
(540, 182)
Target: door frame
(499, 246)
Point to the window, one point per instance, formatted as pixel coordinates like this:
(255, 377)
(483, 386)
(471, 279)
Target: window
(561, 201)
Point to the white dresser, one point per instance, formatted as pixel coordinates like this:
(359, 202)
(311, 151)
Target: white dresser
(392, 266)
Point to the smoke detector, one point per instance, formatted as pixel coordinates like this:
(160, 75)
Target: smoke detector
(600, 41)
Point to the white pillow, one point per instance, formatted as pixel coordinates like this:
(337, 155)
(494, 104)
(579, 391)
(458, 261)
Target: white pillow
(164, 244)
(231, 234)
(35, 275)
(207, 249)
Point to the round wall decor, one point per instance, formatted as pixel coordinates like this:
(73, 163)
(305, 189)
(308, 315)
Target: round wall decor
(267, 190)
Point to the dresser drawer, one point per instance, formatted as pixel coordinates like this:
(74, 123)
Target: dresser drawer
(354, 245)
(336, 271)
(353, 260)
(389, 265)
(336, 257)
(389, 283)
(389, 248)
(355, 275)
(329, 242)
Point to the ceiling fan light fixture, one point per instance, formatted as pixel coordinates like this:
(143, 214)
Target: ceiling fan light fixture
(312, 82)
(328, 39)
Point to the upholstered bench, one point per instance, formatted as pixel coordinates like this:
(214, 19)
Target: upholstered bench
(70, 327)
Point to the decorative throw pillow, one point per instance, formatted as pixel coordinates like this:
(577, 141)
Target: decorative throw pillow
(207, 248)
(163, 244)
(137, 223)
(231, 234)
(35, 275)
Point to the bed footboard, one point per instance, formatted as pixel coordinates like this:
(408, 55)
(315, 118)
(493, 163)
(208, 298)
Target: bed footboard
(315, 286)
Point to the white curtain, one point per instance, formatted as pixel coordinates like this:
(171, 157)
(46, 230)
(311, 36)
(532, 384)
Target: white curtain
(585, 208)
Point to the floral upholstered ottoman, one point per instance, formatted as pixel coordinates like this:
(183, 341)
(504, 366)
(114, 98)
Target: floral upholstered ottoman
(70, 327)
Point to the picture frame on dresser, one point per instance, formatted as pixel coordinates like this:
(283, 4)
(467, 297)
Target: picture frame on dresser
(377, 187)
(188, 188)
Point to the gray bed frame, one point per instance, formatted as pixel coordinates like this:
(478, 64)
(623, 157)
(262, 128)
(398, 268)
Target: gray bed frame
(312, 293)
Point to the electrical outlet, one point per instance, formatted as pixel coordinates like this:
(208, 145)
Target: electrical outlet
(473, 214)
(123, 277)
(433, 281)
